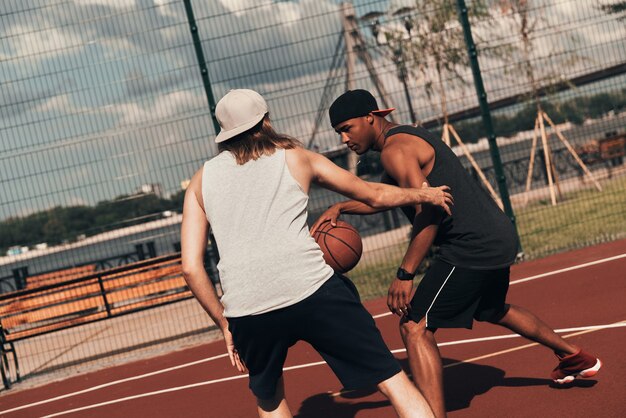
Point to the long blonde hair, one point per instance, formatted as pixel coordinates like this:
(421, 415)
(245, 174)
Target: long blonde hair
(260, 140)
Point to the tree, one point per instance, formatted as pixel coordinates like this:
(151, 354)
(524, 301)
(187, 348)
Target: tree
(618, 8)
(54, 231)
(526, 16)
(429, 44)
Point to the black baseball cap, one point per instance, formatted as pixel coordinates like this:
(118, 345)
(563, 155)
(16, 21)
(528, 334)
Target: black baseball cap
(353, 104)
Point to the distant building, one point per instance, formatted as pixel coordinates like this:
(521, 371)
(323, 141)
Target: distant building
(17, 250)
(152, 188)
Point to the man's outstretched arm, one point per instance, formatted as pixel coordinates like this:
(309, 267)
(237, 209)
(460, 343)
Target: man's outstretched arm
(370, 197)
(193, 240)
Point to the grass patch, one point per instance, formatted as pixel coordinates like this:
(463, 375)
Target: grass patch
(375, 271)
(582, 218)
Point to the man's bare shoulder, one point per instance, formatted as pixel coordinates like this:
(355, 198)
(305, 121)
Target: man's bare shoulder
(412, 147)
(298, 153)
(299, 157)
(400, 147)
(404, 141)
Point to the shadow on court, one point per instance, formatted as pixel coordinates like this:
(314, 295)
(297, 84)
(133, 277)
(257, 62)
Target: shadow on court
(345, 405)
(465, 381)
(461, 384)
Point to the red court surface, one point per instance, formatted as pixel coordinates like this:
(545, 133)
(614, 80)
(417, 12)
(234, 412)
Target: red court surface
(581, 293)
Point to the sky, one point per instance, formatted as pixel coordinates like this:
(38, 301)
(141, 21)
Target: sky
(98, 97)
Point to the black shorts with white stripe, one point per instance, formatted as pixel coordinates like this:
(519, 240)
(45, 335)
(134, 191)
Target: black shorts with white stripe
(452, 297)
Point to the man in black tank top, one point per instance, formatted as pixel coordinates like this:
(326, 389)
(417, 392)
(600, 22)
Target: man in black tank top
(469, 278)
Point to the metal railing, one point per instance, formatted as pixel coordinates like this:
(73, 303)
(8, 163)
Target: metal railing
(107, 294)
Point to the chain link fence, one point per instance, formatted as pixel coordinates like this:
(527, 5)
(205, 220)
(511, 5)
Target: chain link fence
(105, 114)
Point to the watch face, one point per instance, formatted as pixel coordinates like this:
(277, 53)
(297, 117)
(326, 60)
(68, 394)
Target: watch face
(402, 274)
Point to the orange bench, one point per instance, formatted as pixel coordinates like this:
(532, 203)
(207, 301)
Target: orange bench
(60, 276)
(50, 305)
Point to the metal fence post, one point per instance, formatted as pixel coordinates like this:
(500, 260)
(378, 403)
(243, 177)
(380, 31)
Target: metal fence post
(20, 275)
(141, 255)
(104, 295)
(151, 249)
(204, 71)
(486, 113)
(542, 162)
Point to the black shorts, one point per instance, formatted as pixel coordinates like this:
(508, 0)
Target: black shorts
(333, 321)
(452, 297)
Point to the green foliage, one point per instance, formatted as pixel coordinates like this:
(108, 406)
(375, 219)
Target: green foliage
(66, 224)
(618, 8)
(428, 42)
(526, 57)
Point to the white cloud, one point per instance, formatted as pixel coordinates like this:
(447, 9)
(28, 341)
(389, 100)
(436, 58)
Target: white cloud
(77, 201)
(240, 7)
(118, 4)
(163, 108)
(167, 8)
(38, 44)
(288, 12)
(58, 103)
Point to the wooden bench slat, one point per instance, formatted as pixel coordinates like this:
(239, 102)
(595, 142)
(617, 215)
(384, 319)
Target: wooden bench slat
(51, 312)
(53, 327)
(150, 302)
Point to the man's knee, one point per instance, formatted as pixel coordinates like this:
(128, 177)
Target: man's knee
(270, 404)
(415, 331)
(267, 401)
(386, 387)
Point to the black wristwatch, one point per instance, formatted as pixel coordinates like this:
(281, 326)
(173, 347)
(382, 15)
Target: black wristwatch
(402, 274)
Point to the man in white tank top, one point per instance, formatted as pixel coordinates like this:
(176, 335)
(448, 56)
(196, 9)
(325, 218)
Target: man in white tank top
(277, 289)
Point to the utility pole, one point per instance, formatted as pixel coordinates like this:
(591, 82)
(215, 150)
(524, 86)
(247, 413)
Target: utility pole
(356, 47)
(349, 24)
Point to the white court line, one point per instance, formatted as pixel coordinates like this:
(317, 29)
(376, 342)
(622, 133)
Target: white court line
(225, 355)
(550, 273)
(116, 382)
(507, 336)
(582, 330)
(579, 266)
(174, 389)
(521, 347)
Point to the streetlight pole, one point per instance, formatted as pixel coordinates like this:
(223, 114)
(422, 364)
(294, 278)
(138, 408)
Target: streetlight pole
(403, 78)
(400, 63)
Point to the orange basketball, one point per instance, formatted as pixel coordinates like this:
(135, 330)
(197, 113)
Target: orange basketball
(341, 245)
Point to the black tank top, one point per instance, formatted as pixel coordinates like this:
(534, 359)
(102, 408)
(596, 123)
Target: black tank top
(478, 235)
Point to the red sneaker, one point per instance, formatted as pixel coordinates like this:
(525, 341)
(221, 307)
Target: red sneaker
(577, 364)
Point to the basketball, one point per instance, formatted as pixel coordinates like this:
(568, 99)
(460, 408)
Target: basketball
(341, 245)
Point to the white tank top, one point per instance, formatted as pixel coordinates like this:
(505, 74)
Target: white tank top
(258, 213)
